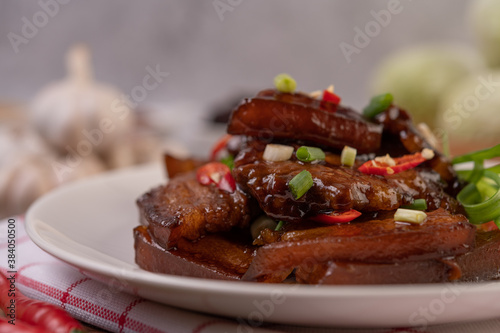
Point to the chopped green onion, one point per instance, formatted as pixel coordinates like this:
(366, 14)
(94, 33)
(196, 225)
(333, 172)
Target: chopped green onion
(348, 156)
(261, 223)
(486, 188)
(480, 155)
(477, 172)
(285, 83)
(378, 104)
(277, 153)
(409, 215)
(467, 174)
(279, 226)
(472, 198)
(310, 154)
(229, 161)
(301, 183)
(417, 204)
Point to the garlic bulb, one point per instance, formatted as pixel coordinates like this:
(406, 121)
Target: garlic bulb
(79, 115)
(23, 180)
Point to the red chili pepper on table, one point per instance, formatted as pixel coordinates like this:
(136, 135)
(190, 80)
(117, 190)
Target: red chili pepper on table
(19, 327)
(41, 315)
(216, 173)
(402, 163)
(337, 217)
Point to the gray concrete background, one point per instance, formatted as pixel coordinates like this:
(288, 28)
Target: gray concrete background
(207, 58)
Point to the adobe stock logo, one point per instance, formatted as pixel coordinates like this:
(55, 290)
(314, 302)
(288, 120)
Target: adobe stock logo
(372, 29)
(223, 6)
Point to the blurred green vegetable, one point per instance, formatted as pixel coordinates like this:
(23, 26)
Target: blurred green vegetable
(486, 24)
(418, 77)
(469, 112)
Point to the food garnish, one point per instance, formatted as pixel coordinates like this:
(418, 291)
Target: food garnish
(417, 204)
(330, 96)
(220, 146)
(216, 173)
(300, 184)
(279, 226)
(388, 166)
(261, 223)
(378, 104)
(481, 197)
(348, 156)
(285, 83)
(310, 154)
(409, 215)
(337, 217)
(276, 152)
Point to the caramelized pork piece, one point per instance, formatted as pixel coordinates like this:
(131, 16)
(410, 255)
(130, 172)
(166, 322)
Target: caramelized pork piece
(211, 257)
(185, 208)
(398, 126)
(374, 241)
(339, 273)
(481, 264)
(336, 188)
(222, 256)
(274, 115)
(175, 165)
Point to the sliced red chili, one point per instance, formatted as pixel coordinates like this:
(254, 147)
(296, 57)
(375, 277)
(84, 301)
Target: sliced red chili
(20, 327)
(328, 96)
(403, 163)
(488, 226)
(337, 217)
(219, 146)
(227, 183)
(216, 173)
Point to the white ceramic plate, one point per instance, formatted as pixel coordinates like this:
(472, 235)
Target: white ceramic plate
(89, 225)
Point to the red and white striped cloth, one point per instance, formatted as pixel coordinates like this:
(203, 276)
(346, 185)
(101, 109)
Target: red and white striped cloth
(44, 277)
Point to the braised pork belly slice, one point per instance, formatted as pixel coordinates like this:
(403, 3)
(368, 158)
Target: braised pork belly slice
(211, 257)
(373, 241)
(336, 188)
(400, 137)
(481, 264)
(222, 256)
(276, 115)
(185, 208)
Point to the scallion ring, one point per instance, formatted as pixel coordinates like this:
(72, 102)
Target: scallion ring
(301, 183)
(480, 155)
(285, 83)
(310, 154)
(467, 174)
(348, 156)
(417, 204)
(479, 210)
